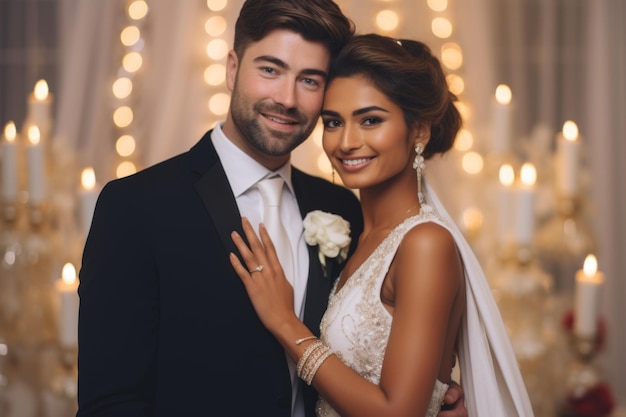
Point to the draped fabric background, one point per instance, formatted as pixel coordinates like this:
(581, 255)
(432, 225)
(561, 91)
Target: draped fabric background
(564, 59)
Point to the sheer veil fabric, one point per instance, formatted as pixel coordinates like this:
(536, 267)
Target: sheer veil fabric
(490, 375)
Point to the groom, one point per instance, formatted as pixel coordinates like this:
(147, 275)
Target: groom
(166, 327)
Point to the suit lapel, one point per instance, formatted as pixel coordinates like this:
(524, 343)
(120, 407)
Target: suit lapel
(214, 190)
(318, 284)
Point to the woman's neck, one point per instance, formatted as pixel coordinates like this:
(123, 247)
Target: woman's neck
(387, 205)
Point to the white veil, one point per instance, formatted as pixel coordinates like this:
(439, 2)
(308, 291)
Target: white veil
(490, 375)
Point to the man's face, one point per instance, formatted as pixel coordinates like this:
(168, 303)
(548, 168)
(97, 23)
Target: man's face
(277, 91)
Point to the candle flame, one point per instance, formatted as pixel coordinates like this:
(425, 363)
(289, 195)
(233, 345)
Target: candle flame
(10, 132)
(590, 267)
(506, 175)
(528, 174)
(41, 90)
(88, 178)
(34, 136)
(503, 94)
(68, 275)
(570, 130)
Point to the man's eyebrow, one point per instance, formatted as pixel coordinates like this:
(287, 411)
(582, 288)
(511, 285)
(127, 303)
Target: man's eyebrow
(282, 64)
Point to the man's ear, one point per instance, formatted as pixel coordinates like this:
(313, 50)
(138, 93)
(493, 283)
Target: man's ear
(232, 64)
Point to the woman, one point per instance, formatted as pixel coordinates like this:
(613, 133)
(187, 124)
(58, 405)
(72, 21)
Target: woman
(412, 295)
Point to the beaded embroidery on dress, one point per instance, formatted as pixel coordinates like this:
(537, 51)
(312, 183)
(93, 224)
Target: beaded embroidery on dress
(356, 324)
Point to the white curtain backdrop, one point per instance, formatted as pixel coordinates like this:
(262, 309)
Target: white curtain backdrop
(564, 59)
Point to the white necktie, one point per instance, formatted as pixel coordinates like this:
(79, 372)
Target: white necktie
(271, 190)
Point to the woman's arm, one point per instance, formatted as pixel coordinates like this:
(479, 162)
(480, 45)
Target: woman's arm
(425, 286)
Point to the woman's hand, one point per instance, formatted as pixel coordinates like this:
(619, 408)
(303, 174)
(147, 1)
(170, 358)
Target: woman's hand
(270, 292)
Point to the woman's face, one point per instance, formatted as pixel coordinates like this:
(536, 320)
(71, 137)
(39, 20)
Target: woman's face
(365, 135)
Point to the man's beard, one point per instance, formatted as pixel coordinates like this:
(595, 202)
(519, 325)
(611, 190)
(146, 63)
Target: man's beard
(273, 143)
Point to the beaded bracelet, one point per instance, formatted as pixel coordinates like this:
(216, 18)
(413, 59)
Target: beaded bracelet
(313, 357)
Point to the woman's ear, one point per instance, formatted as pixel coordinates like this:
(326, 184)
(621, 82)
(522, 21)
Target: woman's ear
(421, 132)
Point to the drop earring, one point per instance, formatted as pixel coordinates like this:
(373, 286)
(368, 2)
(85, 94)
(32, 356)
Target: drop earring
(418, 165)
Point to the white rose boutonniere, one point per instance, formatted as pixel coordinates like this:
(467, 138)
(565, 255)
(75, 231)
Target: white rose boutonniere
(330, 231)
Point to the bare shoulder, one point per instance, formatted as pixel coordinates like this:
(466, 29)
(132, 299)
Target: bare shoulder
(428, 237)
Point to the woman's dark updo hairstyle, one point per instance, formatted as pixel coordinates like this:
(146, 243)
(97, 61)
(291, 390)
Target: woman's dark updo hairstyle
(407, 73)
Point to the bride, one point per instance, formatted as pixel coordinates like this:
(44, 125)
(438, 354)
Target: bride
(412, 298)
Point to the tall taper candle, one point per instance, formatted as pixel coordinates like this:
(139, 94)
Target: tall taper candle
(88, 198)
(36, 167)
(568, 149)
(588, 286)
(505, 204)
(501, 120)
(67, 287)
(10, 186)
(40, 108)
(525, 207)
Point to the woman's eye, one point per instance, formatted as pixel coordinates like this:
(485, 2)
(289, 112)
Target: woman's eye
(331, 123)
(370, 121)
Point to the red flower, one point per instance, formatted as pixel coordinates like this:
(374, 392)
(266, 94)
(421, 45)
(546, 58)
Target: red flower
(597, 402)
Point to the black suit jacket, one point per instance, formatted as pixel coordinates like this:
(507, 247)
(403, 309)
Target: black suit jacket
(165, 326)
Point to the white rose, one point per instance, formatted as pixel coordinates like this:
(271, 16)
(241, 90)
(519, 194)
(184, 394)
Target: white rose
(330, 231)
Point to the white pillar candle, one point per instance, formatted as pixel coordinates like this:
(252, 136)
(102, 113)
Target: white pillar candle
(588, 286)
(40, 108)
(568, 149)
(67, 287)
(501, 120)
(36, 167)
(505, 203)
(525, 205)
(88, 197)
(10, 186)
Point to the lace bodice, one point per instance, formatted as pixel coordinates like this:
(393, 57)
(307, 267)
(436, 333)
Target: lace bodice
(356, 324)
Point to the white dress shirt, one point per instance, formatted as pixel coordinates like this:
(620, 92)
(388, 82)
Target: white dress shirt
(243, 173)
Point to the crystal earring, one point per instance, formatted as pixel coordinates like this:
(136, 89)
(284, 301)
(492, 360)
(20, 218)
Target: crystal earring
(418, 166)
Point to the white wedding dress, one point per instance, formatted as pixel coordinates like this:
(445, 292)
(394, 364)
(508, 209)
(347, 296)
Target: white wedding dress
(356, 327)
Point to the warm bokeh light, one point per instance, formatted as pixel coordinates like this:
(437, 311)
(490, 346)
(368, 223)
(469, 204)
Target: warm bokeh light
(215, 74)
(138, 9)
(125, 169)
(528, 174)
(441, 27)
(503, 94)
(464, 110)
(10, 131)
(215, 26)
(123, 116)
(218, 104)
(570, 130)
(88, 178)
(472, 219)
(506, 175)
(472, 163)
(216, 5)
(456, 84)
(217, 49)
(132, 62)
(125, 145)
(41, 90)
(464, 141)
(451, 55)
(437, 5)
(387, 20)
(34, 135)
(130, 35)
(68, 274)
(122, 87)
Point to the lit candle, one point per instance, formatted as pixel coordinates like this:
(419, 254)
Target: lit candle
(568, 149)
(36, 167)
(39, 108)
(502, 119)
(88, 198)
(505, 197)
(525, 207)
(588, 285)
(9, 164)
(67, 288)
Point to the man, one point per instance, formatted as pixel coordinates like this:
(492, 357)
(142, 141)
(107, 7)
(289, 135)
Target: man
(166, 327)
